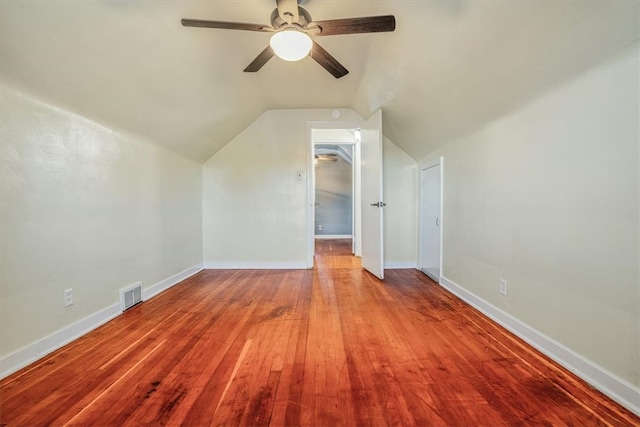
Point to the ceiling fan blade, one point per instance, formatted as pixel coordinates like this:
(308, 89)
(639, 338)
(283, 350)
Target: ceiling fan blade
(260, 60)
(327, 61)
(288, 10)
(223, 25)
(367, 24)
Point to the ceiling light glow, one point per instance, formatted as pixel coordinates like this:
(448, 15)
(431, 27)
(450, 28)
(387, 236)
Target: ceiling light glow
(291, 45)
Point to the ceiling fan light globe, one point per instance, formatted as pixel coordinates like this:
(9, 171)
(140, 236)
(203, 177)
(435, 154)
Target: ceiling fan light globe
(291, 45)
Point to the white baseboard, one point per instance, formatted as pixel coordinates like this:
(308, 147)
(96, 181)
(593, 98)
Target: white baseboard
(40, 348)
(395, 265)
(34, 351)
(333, 236)
(616, 388)
(255, 265)
(165, 284)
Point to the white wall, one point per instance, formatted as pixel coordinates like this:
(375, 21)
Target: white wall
(334, 198)
(84, 208)
(400, 175)
(547, 198)
(254, 209)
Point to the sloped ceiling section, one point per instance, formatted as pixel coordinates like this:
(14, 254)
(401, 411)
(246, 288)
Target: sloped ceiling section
(449, 67)
(467, 62)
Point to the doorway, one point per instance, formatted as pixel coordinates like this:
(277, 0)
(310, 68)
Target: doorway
(334, 210)
(366, 139)
(430, 248)
(334, 147)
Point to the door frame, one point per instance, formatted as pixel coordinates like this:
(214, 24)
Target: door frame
(311, 183)
(423, 167)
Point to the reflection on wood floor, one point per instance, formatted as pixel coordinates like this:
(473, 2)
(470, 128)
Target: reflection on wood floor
(329, 346)
(335, 253)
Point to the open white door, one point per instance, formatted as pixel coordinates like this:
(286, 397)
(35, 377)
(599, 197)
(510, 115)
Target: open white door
(372, 201)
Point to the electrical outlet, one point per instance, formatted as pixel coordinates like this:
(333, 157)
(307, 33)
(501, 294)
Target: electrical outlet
(503, 287)
(320, 227)
(68, 297)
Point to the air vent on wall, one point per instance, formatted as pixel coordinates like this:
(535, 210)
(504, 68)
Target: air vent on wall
(131, 296)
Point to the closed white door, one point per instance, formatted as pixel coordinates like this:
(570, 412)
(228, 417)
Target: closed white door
(372, 201)
(431, 220)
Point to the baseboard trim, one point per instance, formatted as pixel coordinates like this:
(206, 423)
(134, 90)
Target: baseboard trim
(616, 388)
(397, 265)
(32, 352)
(333, 236)
(52, 342)
(255, 265)
(167, 283)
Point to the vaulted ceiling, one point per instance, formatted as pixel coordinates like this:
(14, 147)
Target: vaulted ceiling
(448, 68)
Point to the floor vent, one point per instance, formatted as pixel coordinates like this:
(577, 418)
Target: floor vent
(131, 296)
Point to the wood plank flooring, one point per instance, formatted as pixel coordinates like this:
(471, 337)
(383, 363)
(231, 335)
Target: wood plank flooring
(324, 347)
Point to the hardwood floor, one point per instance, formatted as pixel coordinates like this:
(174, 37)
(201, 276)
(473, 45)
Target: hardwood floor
(330, 346)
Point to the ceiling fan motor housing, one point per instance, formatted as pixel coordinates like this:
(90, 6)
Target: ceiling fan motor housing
(278, 23)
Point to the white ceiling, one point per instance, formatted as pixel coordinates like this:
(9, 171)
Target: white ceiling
(448, 68)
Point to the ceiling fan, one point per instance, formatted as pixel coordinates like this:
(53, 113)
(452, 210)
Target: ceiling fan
(329, 157)
(293, 27)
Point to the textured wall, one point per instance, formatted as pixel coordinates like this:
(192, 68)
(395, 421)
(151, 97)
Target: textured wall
(84, 208)
(401, 213)
(547, 199)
